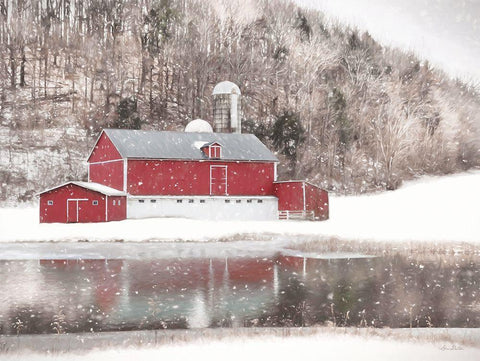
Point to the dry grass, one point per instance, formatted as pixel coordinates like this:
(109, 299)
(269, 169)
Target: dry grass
(424, 249)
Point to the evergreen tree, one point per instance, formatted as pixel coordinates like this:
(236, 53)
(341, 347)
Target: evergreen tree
(259, 129)
(338, 111)
(303, 26)
(128, 117)
(288, 134)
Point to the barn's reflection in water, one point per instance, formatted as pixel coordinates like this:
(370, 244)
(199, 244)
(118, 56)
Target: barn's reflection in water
(57, 296)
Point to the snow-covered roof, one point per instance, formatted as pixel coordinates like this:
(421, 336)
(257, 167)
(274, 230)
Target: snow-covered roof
(198, 126)
(100, 188)
(210, 143)
(226, 87)
(179, 145)
(297, 181)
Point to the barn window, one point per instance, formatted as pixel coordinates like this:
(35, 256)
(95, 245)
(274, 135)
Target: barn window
(179, 200)
(249, 201)
(50, 203)
(190, 201)
(114, 202)
(95, 203)
(153, 201)
(202, 200)
(227, 200)
(119, 202)
(141, 201)
(239, 201)
(260, 201)
(215, 151)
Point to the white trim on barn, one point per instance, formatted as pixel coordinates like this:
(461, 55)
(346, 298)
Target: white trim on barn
(225, 180)
(261, 208)
(96, 187)
(107, 161)
(106, 208)
(125, 174)
(304, 198)
(215, 151)
(299, 181)
(74, 200)
(95, 144)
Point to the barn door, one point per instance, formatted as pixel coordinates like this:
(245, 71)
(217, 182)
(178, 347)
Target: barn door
(72, 210)
(218, 180)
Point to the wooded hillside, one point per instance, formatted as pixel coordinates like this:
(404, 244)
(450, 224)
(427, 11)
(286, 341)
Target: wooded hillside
(341, 110)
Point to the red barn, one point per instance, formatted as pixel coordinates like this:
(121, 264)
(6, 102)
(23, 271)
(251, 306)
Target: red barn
(300, 199)
(193, 174)
(74, 202)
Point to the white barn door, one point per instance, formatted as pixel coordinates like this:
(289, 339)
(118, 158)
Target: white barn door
(218, 180)
(72, 209)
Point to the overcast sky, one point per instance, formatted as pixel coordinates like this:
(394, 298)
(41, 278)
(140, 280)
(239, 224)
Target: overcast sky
(446, 32)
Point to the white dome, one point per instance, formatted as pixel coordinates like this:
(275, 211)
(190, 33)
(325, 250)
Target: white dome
(226, 87)
(198, 126)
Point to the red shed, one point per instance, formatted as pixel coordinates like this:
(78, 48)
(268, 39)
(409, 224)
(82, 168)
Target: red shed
(74, 202)
(300, 199)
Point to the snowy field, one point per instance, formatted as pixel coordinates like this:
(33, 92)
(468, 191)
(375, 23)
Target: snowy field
(315, 347)
(437, 209)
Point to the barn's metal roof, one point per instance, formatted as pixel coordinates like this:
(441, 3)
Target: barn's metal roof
(179, 145)
(97, 187)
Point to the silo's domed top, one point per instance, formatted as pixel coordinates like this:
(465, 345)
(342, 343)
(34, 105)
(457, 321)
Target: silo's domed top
(226, 87)
(198, 126)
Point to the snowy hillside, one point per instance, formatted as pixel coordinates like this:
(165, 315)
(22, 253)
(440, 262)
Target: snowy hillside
(434, 208)
(351, 115)
(444, 32)
(431, 209)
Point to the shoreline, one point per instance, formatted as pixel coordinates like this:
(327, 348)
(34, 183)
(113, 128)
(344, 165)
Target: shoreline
(448, 338)
(303, 247)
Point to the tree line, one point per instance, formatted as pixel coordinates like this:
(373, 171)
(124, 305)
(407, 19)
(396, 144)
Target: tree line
(340, 109)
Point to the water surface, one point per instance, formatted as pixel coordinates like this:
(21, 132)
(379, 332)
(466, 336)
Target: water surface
(58, 288)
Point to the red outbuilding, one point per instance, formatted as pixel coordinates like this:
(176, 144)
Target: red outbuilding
(74, 202)
(300, 199)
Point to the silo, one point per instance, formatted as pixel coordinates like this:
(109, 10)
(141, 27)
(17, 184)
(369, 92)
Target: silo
(227, 108)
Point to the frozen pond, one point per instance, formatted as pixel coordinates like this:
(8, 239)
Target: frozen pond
(75, 287)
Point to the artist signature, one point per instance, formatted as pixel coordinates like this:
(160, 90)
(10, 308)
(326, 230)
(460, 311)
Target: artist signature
(451, 348)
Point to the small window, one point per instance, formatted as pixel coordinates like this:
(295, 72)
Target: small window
(190, 201)
(259, 201)
(153, 201)
(95, 203)
(179, 200)
(202, 200)
(141, 201)
(227, 200)
(249, 201)
(50, 203)
(114, 202)
(119, 202)
(238, 201)
(215, 151)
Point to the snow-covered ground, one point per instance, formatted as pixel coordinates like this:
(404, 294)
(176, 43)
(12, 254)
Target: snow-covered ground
(317, 347)
(437, 209)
